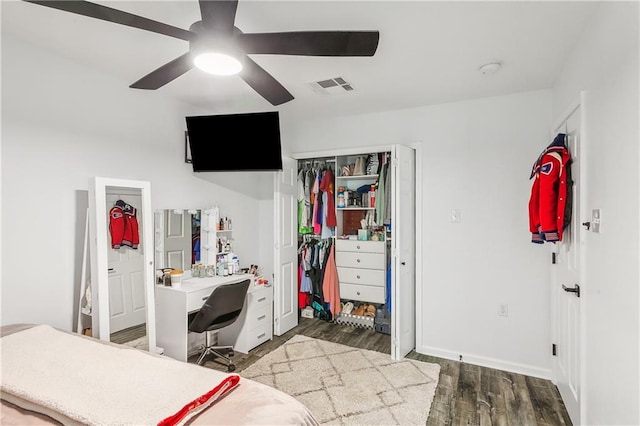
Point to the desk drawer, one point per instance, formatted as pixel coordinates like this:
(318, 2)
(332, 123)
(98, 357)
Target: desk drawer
(360, 246)
(196, 299)
(363, 293)
(360, 260)
(258, 335)
(258, 317)
(260, 298)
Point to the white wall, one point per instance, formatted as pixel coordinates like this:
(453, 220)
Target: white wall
(61, 124)
(605, 64)
(477, 157)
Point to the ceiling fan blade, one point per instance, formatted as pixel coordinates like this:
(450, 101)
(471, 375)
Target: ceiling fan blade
(263, 83)
(108, 14)
(218, 15)
(165, 74)
(311, 43)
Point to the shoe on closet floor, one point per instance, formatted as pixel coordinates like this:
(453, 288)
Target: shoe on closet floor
(370, 311)
(359, 310)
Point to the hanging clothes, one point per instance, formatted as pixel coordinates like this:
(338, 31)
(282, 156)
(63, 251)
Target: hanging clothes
(550, 203)
(381, 195)
(308, 194)
(388, 189)
(304, 203)
(123, 225)
(330, 284)
(317, 211)
(328, 219)
(304, 297)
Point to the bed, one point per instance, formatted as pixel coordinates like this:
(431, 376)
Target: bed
(51, 376)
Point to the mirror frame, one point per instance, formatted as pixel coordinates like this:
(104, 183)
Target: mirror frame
(98, 220)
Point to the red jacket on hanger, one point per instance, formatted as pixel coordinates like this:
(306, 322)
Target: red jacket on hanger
(551, 193)
(123, 225)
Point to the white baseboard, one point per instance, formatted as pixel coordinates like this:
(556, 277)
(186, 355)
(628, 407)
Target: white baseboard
(527, 370)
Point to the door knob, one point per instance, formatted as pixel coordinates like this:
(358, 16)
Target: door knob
(575, 289)
(586, 225)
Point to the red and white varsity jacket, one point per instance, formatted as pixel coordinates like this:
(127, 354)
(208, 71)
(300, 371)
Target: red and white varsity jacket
(551, 193)
(123, 225)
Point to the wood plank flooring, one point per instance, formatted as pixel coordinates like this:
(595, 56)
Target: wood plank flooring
(466, 394)
(129, 334)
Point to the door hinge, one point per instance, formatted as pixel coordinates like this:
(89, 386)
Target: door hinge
(553, 349)
(554, 260)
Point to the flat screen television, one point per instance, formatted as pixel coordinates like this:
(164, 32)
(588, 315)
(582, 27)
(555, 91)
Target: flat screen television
(235, 142)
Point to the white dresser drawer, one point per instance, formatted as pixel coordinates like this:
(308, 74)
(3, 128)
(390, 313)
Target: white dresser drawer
(360, 246)
(257, 317)
(260, 298)
(361, 260)
(196, 299)
(257, 336)
(374, 277)
(363, 293)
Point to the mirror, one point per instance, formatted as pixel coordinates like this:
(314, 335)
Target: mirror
(122, 270)
(177, 239)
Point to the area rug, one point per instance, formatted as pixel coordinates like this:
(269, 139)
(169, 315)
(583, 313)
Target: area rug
(344, 385)
(139, 343)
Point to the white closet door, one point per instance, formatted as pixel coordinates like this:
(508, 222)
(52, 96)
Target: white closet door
(403, 276)
(285, 299)
(127, 302)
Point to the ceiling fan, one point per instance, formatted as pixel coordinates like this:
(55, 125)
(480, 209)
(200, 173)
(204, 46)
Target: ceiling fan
(216, 37)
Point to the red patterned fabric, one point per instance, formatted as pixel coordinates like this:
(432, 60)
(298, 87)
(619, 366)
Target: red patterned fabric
(549, 211)
(116, 226)
(208, 398)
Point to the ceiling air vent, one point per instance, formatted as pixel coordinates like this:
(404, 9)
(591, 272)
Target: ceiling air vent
(332, 86)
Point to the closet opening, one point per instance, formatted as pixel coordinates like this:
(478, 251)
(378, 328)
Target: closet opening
(344, 236)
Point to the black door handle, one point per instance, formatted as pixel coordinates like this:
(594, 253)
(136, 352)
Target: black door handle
(586, 225)
(575, 289)
(403, 263)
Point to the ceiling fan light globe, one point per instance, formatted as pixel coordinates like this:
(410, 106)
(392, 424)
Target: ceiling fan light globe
(218, 63)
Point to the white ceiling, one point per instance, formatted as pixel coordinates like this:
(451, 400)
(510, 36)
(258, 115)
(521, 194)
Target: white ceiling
(429, 52)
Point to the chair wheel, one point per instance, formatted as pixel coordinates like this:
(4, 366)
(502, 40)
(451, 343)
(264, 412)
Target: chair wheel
(231, 353)
(231, 368)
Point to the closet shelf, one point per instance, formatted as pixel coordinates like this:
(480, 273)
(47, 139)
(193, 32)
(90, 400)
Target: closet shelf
(355, 208)
(358, 177)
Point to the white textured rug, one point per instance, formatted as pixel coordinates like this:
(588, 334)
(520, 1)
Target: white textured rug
(349, 386)
(139, 343)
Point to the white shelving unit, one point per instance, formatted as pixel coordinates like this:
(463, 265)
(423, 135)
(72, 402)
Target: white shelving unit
(209, 235)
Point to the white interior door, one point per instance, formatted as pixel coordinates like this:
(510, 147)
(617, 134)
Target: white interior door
(177, 239)
(285, 284)
(127, 305)
(565, 282)
(403, 233)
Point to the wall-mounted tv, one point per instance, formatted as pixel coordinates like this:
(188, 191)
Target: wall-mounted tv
(235, 142)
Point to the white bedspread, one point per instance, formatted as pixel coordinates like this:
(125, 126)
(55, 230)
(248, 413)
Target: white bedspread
(98, 384)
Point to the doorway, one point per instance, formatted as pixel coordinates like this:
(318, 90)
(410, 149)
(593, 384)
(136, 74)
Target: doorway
(401, 252)
(567, 280)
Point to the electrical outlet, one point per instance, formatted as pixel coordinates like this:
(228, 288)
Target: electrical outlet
(503, 310)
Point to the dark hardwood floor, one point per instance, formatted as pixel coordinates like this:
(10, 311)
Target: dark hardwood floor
(466, 394)
(129, 334)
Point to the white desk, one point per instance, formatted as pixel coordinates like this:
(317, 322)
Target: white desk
(174, 304)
